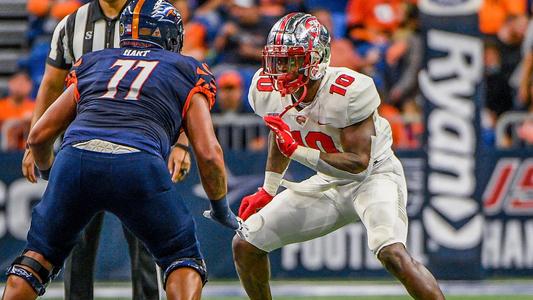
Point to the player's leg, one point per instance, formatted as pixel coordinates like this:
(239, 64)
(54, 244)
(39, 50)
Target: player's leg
(184, 283)
(290, 218)
(55, 225)
(381, 204)
(27, 277)
(151, 208)
(143, 269)
(416, 278)
(164, 224)
(253, 267)
(79, 267)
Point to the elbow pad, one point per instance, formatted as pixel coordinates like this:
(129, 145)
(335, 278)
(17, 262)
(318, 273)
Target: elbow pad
(311, 158)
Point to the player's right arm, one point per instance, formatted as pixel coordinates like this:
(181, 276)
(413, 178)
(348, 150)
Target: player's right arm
(276, 164)
(276, 161)
(206, 147)
(53, 122)
(210, 159)
(50, 89)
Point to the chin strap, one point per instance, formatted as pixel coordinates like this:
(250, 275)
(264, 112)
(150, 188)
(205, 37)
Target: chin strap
(302, 97)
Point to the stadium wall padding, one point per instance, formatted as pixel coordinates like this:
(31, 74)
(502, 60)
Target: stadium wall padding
(451, 85)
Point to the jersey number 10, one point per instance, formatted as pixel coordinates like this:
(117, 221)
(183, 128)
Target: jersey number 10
(342, 82)
(125, 65)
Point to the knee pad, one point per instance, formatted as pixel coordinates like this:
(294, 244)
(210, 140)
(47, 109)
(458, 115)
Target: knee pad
(39, 286)
(194, 263)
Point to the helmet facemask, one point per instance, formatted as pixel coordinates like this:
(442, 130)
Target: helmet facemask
(172, 37)
(289, 67)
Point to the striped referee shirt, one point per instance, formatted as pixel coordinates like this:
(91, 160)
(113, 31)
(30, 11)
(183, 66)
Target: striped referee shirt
(85, 30)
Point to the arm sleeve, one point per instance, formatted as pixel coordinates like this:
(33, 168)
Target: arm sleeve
(364, 100)
(72, 78)
(205, 84)
(59, 55)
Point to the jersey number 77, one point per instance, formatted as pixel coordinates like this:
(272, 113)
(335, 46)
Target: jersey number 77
(125, 65)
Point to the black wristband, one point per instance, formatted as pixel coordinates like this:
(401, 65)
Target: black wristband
(182, 146)
(220, 207)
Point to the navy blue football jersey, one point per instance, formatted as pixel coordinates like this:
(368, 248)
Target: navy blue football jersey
(135, 97)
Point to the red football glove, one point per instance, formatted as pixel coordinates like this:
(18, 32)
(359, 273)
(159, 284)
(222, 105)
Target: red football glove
(286, 143)
(253, 203)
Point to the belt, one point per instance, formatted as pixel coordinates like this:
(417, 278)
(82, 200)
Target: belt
(102, 146)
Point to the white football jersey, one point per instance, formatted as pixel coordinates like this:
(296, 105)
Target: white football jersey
(345, 97)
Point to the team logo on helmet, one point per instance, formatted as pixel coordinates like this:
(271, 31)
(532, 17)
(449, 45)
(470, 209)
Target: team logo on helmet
(162, 11)
(313, 26)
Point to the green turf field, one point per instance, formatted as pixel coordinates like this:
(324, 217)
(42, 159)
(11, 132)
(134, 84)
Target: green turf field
(122, 290)
(506, 297)
(388, 298)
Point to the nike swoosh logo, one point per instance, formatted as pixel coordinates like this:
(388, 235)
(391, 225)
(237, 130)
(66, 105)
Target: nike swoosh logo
(323, 124)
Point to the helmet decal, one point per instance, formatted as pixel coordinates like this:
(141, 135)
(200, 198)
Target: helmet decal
(283, 24)
(162, 10)
(135, 22)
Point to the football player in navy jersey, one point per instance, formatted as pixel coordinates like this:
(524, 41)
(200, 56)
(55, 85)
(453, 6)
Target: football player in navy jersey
(122, 110)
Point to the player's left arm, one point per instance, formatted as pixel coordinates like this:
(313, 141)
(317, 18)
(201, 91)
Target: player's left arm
(356, 141)
(361, 99)
(179, 160)
(53, 122)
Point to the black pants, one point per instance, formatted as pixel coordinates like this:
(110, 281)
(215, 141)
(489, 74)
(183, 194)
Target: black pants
(79, 267)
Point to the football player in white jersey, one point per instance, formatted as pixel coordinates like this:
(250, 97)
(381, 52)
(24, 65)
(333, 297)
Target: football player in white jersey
(325, 118)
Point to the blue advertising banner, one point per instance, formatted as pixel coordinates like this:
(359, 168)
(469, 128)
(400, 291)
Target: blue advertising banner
(451, 84)
(506, 178)
(342, 253)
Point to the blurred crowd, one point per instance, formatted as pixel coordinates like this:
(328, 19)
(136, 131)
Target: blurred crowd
(380, 38)
(507, 27)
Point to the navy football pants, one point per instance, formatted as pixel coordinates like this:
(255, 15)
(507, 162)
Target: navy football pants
(136, 187)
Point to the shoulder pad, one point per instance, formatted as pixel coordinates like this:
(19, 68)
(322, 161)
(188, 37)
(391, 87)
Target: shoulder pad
(354, 95)
(205, 82)
(262, 97)
(363, 99)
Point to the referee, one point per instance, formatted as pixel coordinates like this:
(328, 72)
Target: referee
(93, 27)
